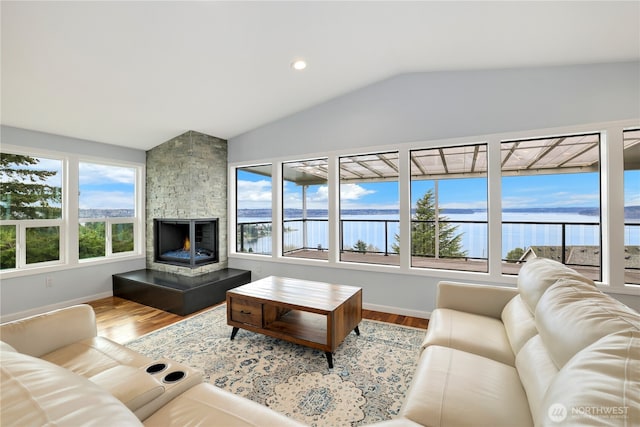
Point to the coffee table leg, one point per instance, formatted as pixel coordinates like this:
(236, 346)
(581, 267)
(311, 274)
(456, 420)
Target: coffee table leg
(234, 332)
(357, 330)
(329, 359)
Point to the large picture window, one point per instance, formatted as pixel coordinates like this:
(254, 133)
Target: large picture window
(551, 202)
(30, 210)
(38, 210)
(469, 209)
(253, 209)
(369, 208)
(106, 210)
(449, 208)
(305, 220)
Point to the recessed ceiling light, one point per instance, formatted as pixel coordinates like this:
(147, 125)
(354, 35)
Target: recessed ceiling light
(299, 64)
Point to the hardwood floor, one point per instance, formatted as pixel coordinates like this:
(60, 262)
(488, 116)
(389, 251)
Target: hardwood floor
(122, 320)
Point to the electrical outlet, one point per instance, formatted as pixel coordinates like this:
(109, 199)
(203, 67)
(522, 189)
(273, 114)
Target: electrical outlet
(48, 282)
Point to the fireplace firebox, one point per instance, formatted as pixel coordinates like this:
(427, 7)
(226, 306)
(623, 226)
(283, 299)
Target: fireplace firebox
(185, 242)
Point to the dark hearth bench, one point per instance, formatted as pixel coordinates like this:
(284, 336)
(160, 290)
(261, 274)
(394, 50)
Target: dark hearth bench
(178, 294)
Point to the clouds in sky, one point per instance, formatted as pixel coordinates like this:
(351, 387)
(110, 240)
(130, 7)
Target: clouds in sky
(106, 187)
(522, 192)
(257, 195)
(106, 200)
(92, 173)
(557, 199)
(253, 194)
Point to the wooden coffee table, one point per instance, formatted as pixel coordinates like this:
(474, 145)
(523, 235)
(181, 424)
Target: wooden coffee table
(314, 314)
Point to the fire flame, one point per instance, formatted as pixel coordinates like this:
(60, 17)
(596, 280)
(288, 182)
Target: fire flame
(187, 244)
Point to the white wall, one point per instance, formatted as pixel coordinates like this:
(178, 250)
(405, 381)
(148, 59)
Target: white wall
(428, 107)
(27, 294)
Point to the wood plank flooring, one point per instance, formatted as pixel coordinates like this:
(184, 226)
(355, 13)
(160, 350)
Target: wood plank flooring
(122, 320)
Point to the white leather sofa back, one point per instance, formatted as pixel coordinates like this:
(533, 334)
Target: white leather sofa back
(599, 386)
(38, 393)
(572, 344)
(538, 274)
(572, 315)
(42, 334)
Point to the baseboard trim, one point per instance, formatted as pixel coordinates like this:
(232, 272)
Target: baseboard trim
(397, 310)
(56, 306)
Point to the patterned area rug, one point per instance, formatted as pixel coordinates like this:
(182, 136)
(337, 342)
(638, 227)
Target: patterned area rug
(371, 373)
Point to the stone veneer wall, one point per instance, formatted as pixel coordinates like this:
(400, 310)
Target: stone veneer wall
(187, 179)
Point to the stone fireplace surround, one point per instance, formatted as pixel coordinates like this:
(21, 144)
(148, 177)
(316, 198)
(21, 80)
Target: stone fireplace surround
(186, 178)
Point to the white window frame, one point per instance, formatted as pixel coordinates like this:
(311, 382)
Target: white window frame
(69, 222)
(108, 242)
(611, 221)
(485, 177)
(282, 184)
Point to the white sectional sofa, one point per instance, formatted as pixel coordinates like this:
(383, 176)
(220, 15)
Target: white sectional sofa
(553, 352)
(57, 371)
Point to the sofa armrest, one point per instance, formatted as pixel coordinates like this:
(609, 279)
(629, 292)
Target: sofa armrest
(43, 333)
(132, 386)
(484, 300)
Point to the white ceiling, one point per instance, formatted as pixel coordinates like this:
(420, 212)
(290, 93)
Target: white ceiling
(139, 73)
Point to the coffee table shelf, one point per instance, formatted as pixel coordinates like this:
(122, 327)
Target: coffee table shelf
(314, 314)
(309, 327)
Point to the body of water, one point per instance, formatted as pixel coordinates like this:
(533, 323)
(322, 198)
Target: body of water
(378, 231)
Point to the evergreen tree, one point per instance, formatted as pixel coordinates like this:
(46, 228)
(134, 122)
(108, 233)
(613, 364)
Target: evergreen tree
(25, 194)
(360, 246)
(7, 246)
(423, 232)
(515, 254)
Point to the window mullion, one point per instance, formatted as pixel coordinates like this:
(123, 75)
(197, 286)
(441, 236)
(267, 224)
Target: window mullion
(276, 208)
(612, 222)
(108, 247)
(494, 208)
(70, 228)
(21, 236)
(334, 208)
(404, 187)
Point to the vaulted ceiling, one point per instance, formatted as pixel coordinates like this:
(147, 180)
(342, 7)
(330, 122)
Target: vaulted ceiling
(139, 73)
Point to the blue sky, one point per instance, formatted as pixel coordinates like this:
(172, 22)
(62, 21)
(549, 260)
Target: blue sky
(112, 187)
(101, 186)
(106, 187)
(566, 190)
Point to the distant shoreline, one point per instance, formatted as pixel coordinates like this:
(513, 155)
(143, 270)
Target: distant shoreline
(631, 212)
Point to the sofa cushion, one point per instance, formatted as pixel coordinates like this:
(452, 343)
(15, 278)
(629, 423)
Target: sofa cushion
(453, 388)
(572, 315)
(207, 405)
(94, 355)
(38, 393)
(536, 371)
(538, 274)
(468, 332)
(598, 386)
(519, 323)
